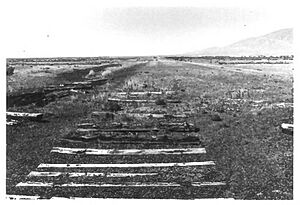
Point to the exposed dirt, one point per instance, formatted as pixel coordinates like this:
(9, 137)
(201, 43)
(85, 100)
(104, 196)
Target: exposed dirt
(253, 156)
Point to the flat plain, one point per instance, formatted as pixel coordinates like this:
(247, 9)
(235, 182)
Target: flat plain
(237, 110)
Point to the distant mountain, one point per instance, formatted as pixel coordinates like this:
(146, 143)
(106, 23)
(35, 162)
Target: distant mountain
(276, 43)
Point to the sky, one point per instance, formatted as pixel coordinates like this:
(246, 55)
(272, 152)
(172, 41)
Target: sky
(91, 28)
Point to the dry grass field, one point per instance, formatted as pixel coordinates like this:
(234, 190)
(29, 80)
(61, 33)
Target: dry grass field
(237, 108)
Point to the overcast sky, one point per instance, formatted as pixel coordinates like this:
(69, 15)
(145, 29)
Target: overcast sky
(52, 29)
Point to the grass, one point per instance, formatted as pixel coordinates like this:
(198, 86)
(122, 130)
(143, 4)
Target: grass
(29, 144)
(252, 154)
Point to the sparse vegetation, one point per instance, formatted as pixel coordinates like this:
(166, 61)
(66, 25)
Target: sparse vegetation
(237, 113)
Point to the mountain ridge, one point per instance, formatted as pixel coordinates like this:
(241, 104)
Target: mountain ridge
(276, 43)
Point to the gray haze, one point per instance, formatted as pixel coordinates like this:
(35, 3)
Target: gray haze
(92, 30)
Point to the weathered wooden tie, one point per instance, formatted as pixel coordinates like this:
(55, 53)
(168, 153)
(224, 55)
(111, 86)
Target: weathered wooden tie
(179, 126)
(140, 101)
(183, 164)
(24, 115)
(118, 130)
(133, 139)
(111, 115)
(180, 151)
(79, 86)
(12, 122)
(134, 130)
(98, 81)
(153, 115)
(168, 124)
(129, 140)
(287, 128)
(23, 197)
(87, 174)
(124, 184)
(146, 93)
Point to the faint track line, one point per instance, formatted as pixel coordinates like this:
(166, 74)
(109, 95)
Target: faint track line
(87, 174)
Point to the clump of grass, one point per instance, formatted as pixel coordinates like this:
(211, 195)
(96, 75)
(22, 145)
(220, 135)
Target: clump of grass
(239, 94)
(111, 106)
(132, 84)
(101, 96)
